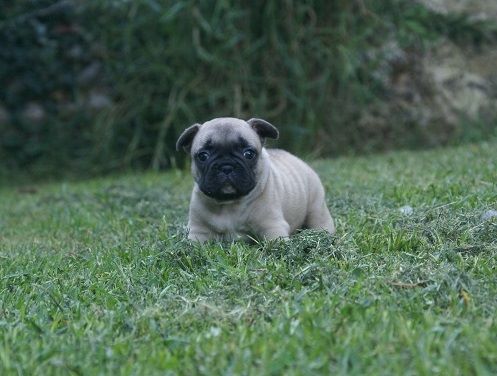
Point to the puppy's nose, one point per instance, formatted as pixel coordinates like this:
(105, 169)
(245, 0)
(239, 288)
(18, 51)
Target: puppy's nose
(227, 169)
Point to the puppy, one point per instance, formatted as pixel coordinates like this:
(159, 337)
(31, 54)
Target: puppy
(242, 188)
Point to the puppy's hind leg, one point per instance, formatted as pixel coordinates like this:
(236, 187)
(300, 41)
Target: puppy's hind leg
(319, 217)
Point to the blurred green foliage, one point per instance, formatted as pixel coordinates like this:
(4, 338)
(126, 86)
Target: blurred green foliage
(112, 83)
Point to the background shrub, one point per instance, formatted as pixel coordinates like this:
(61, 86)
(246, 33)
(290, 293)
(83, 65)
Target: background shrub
(96, 86)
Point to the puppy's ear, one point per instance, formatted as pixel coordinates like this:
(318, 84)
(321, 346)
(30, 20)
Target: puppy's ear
(186, 138)
(263, 128)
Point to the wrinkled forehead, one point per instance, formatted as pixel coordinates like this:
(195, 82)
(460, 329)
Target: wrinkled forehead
(226, 132)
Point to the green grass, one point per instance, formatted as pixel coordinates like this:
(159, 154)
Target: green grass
(97, 278)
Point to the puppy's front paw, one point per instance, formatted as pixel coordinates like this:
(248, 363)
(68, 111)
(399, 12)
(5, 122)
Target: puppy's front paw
(279, 231)
(199, 237)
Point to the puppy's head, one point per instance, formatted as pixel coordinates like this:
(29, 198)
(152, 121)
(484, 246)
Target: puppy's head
(226, 154)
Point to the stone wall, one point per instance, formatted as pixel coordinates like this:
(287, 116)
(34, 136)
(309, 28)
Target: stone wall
(441, 90)
(463, 78)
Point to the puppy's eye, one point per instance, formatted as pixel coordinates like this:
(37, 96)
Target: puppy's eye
(202, 156)
(249, 154)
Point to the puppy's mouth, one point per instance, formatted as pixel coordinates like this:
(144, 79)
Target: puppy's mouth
(226, 193)
(228, 189)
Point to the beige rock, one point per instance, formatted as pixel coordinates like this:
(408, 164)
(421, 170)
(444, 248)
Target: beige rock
(461, 88)
(477, 9)
(33, 113)
(98, 100)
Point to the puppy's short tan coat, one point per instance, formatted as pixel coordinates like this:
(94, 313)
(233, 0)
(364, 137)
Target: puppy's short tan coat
(242, 188)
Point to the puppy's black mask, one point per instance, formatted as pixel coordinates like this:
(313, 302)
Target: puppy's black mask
(226, 172)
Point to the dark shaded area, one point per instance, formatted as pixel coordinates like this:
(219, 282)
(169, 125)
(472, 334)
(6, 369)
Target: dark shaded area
(93, 87)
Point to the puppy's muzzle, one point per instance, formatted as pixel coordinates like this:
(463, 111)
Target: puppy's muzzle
(227, 169)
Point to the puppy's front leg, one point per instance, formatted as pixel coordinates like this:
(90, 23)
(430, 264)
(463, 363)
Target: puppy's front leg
(200, 237)
(275, 230)
(199, 233)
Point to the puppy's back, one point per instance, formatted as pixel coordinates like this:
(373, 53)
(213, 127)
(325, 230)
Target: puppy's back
(293, 166)
(299, 184)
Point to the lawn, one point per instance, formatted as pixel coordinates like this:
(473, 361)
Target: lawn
(96, 277)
